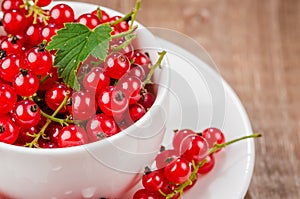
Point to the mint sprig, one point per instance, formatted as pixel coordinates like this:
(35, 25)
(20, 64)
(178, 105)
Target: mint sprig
(74, 43)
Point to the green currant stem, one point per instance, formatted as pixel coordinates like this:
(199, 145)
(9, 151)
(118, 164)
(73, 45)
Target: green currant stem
(99, 13)
(196, 167)
(124, 18)
(153, 68)
(128, 41)
(41, 133)
(124, 34)
(137, 8)
(54, 119)
(35, 11)
(45, 79)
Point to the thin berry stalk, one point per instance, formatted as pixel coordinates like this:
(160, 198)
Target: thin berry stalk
(153, 68)
(137, 8)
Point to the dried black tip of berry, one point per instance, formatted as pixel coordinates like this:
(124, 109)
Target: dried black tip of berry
(41, 47)
(34, 108)
(23, 71)
(147, 54)
(119, 96)
(101, 136)
(147, 170)
(14, 39)
(162, 148)
(2, 54)
(200, 134)
(122, 58)
(2, 129)
(175, 131)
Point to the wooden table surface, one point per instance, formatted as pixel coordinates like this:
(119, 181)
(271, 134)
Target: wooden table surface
(256, 46)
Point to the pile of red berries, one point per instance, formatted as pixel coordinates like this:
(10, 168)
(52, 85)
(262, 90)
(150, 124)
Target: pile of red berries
(38, 109)
(178, 169)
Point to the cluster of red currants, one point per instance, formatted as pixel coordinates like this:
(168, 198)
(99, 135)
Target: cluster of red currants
(178, 169)
(38, 109)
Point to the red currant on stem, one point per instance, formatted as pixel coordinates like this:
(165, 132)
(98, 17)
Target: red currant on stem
(213, 136)
(50, 118)
(193, 175)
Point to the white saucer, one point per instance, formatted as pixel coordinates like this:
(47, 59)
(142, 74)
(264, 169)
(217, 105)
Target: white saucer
(200, 99)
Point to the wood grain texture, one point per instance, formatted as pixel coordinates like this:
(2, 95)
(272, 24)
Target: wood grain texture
(256, 46)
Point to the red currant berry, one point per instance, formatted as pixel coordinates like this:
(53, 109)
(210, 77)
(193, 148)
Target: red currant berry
(39, 60)
(194, 148)
(136, 112)
(132, 88)
(50, 79)
(33, 35)
(145, 194)
(11, 5)
(165, 157)
(213, 136)
(11, 45)
(178, 171)
(46, 144)
(72, 135)
(153, 181)
(43, 3)
(138, 71)
(112, 101)
(9, 131)
(8, 98)
(56, 95)
(180, 136)
(26, 135)
(26, 113)
(90, 20)
(14, 22)
(49, 31)
(141, 59)
(208, 166)
(26, 83)
(100, 127)
(116, 65)
(83, 105)
(53, 131)
(122, 26)
(114, 43)
(104, 17)
(61, 13)
(10, 66)
(96, 80)
(147, 100)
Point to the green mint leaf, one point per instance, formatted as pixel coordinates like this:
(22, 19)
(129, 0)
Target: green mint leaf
(74, 44)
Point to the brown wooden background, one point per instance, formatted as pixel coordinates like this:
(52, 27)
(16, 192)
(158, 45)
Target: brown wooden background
(256, 45)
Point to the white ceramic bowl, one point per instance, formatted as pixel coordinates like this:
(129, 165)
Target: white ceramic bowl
(107, 168)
